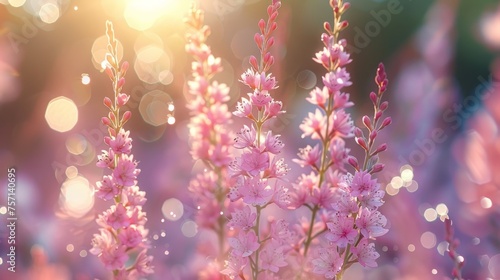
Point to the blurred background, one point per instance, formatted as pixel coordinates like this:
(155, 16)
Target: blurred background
(444, 145)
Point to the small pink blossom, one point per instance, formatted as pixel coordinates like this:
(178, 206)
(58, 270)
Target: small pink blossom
(245, 138)
(106, 159)
(273, 109)
(122, 99)
(342, 124)
(143, 264)
(245, 244)
(313, 124)
(254, 161)
(234, 266)
(342, 231)
(218, 92)
(242, 219)
(117, 217)
(256, 191)
(131, 236)
(243, 109)
(272, 143)
(272, 257)
(365, 253)
(125, 173)
(260, 98)
(102, 241)
(107, 189)
(362, 184)
(328, 263)
(114, 257)
(121, 144)
(337, 80)
(341, 100)
(371, 223)
(324, 196)
(308, 156)
(319, 96)
(277, 169)
(338, 153)
(281, 196)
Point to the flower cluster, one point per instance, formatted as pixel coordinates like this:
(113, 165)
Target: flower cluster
(121, 243)
(343, 205)
(210, 140)
(257, 252)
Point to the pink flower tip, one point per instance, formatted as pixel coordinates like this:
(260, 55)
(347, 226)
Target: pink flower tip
(358, 132)
(373, 135)
(107, 102)
(106, 121)
(384, 105)
(121, 82)
(377, 168)
(361, 142)
(353, 162)
(327, 26)
(126, 116)
(373, 97)
(367, 122)
(253, 62)
(387, 121)
(124, 67)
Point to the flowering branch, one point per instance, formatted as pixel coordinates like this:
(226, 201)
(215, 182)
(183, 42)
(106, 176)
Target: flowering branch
(453, 243)
(210, 140)
(346, 203)
(258, 170)
(122, 237)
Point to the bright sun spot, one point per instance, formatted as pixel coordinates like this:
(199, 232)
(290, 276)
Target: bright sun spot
(142, 14)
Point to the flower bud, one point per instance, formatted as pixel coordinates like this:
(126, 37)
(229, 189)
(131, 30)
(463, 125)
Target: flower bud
(373, 97)
(124, 68)
(253, 62)
(361, 142)
(373, 135)
(126, 116)
(107, 102)
(106, 121)
(387, 121)
(384, 105)
(377, 168)
(327, 26)
(353, 162)
(358, 132)
(367, 122)
(121, 82)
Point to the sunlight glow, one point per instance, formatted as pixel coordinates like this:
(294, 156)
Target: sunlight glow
(77, 197)
(142, 14)
(61, 114)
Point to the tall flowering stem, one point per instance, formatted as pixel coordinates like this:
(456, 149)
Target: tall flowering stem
(121, 243)
(210, 140)
(343, 206)
(257, 251)
(453, 243)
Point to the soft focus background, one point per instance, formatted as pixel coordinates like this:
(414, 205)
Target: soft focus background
(444, 144)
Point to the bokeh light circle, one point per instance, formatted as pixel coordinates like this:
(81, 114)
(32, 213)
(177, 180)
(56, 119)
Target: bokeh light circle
(61, 114)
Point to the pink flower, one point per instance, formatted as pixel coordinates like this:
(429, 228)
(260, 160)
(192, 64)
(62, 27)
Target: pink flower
(117, 216)
(328, 263)
(371, 223)
(338, 153)
(114, 257)
(323, 196)
(362, 184)
(281, 196)
(234, 266)
(277, 169)
(256, 191)
(102, 241)
(345, 203)
(243, 109)
(125, 173)
(106, 159)
(308, 156)
(244, 245)
(242, 219)
(342, 231)
(272, 257)
(373, 200)
(341, 100)
(107, 189)
(254, 161)
(143, 264)
(131, 236)
(335, 81)
(122, 99)
(273, 144)
(260, 98)
(280, 231)
(365, 253)
(133, 196)
(273, 109)
(121, 144)
(319, 96)
(342, 124)
(245, 138)
(313, 125)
